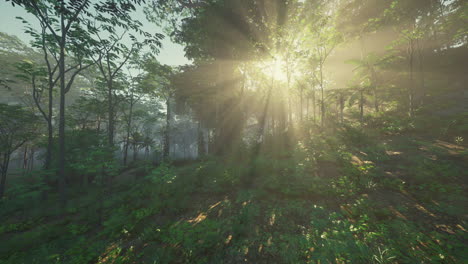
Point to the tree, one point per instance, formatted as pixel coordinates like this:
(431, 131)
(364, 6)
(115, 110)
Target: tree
(135, 95)
(323, 36)
(114, 54)
(61, 23)
(132, 97)
(366, 69)
(161, 78)
(17, 126)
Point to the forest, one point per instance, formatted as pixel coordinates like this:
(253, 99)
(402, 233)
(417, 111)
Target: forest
(292, 131)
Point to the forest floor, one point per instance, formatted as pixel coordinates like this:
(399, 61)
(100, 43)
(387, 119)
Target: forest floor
(361, 199)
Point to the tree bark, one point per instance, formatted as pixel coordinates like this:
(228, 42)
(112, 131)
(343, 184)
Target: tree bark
(61, 134)
(4, 171)
(25, 159)
(129, 125)
(110, 130)
(166, 147)
(50, 142)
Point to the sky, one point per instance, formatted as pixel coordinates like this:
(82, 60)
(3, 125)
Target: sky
(170, 53)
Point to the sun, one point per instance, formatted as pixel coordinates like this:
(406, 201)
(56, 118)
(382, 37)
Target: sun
(275, 68)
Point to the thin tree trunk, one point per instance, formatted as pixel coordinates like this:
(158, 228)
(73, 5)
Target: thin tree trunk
(98, 125)
(110, 111)
(166, 132)
(25, 159)
(48, 156)
(4, 171)
(125, 157)
(50, 142)
(61, 134)
(129, 125)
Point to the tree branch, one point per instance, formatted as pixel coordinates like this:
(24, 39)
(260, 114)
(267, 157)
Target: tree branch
(123, 63)
(36, 98)
(78, 11)
(70, 82)
(44, 20)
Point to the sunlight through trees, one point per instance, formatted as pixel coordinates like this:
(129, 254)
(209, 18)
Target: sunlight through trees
(300, 131)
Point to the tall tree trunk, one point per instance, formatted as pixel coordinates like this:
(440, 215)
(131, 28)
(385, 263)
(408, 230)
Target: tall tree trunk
(166, 132)
(4, 171)
(48, 118)
(48, 156)
(110, 130)
(31, 163)
(50, 142)
(125, 154)
(25, 159)
(129, 126)
(61, 134)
